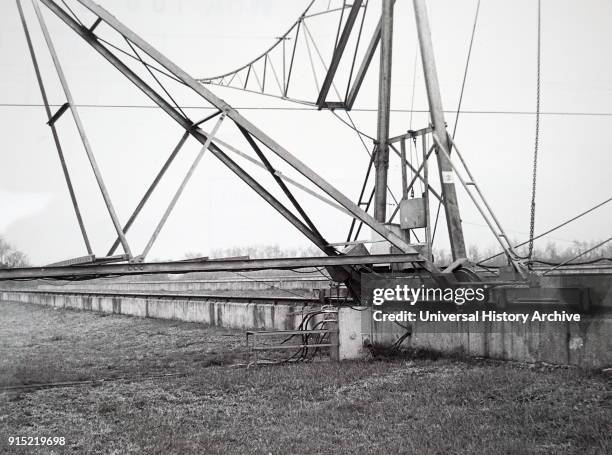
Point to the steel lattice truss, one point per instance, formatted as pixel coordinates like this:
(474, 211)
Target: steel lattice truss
(162, 68)
(271, 72)
(165, 77)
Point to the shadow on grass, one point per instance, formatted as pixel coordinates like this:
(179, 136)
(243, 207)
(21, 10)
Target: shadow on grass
(382, 353)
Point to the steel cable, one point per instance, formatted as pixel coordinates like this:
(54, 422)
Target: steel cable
(537, 136)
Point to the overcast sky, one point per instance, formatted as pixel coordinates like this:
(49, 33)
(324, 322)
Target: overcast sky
(208, 37)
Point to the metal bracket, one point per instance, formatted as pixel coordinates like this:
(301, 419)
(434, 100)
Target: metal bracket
(58, 114)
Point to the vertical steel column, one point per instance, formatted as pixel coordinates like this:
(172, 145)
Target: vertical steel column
(384, 104)
(453, 219)
(58, 145)
(426, 198)
(79, 125)
(405, 232)
(404, 171)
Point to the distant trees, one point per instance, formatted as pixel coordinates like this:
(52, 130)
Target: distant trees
(265, 251)
(552, 253)
(11, 257)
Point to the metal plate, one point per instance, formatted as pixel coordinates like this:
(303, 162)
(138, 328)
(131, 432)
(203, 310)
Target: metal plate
(412, 213)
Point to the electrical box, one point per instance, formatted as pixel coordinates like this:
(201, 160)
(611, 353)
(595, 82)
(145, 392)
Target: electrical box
(412, 213)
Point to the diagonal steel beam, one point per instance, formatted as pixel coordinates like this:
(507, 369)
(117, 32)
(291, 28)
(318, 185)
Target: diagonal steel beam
(51, 124)
(81, 129)
(295, 43)
(365, 64)
(449, 193)
(281, 183)
(287, 179)
(338, 52)
(150, 190)
(363, 188)
(417, 172)
(181, 187)
(339, 274)
(363, 69)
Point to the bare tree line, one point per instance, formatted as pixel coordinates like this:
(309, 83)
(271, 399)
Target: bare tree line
(10, 256)
(550, 253)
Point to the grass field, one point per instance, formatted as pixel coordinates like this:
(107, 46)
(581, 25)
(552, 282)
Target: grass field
(175, 388)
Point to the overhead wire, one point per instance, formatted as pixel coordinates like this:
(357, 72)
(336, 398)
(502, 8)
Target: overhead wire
(148, 65)
(137, 54)
(465, 71)
(554, 228)
(599, 245)
(315, 109)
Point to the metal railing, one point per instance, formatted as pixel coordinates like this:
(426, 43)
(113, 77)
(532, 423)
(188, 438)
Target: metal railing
(302, 349)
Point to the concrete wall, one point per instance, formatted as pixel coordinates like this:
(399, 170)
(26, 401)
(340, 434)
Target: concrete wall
(587, 344)
(264, 316)
(307, 284)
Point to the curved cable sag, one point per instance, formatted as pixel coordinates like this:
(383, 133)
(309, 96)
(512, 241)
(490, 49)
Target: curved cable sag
(281, 70)
(279, 40)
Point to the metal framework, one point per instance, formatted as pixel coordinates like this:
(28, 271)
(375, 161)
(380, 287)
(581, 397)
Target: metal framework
(342, 268)
(381, 38)
(339, 267)
(270, 72)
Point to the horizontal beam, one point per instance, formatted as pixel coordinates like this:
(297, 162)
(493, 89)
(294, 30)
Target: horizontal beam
(205, 266)
(411, 134)
(165, 296)
(88, 259)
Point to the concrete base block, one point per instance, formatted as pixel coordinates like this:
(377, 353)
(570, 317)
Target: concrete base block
(350, 331)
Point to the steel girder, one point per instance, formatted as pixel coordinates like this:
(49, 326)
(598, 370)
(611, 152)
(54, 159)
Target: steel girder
(214, 265)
